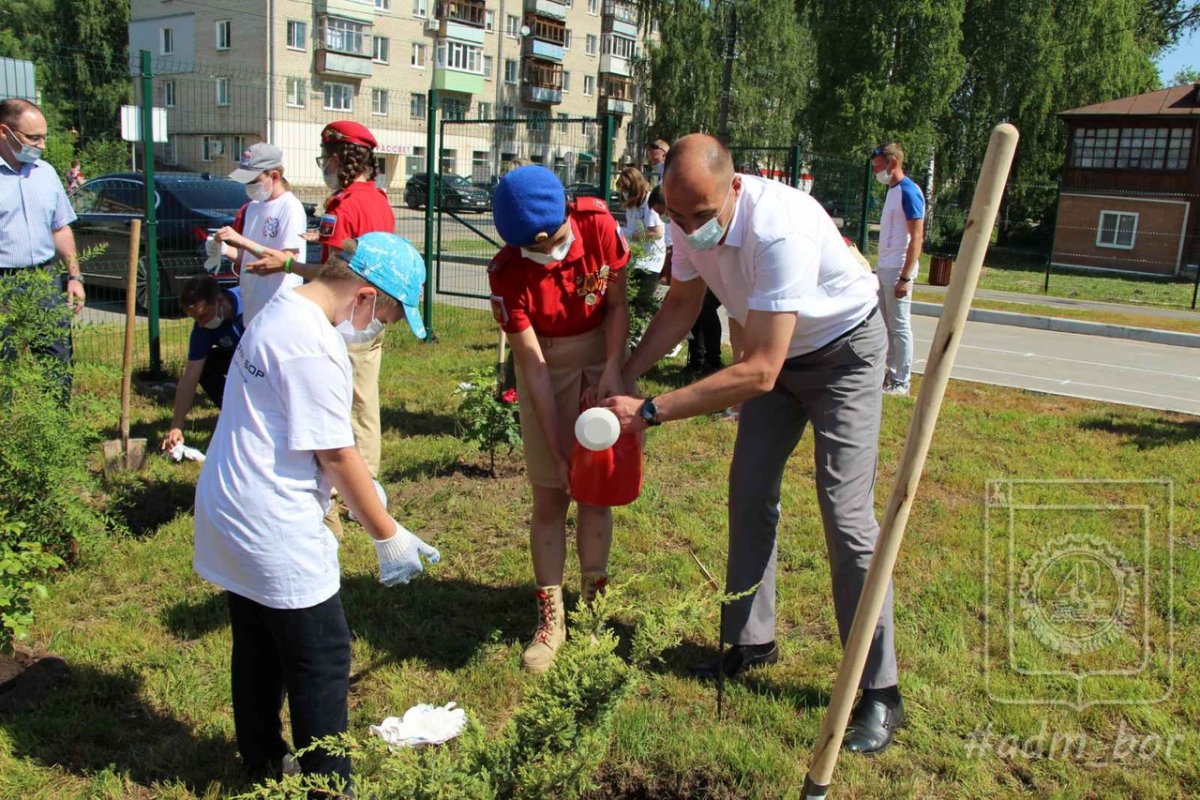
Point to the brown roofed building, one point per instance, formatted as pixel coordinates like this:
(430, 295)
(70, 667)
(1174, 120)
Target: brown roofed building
(1131, 184)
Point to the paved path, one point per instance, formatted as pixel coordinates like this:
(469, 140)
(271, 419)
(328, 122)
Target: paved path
(1090, 367)
(1069, 302)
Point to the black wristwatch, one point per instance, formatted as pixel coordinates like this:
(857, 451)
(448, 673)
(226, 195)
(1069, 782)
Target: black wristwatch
(905, 279)
(649, 412)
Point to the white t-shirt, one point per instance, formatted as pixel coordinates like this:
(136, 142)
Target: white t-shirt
(904, 202)
(641, 219)
(782, 252)
(277, 224)
(261, 498)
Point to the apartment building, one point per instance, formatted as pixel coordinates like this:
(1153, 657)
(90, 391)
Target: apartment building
(234, 72)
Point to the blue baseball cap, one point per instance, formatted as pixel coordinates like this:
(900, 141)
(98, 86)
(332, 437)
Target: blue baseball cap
(393, 266)
(528, 202)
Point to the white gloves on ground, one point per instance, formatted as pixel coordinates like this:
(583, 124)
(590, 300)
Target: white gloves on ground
(400, 557)
(382, 498)
(423, 724)
(182, 451)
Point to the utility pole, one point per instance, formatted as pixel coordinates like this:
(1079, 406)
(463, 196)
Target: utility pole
(727, 78)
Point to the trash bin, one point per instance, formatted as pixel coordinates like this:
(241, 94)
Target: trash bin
(939, 270)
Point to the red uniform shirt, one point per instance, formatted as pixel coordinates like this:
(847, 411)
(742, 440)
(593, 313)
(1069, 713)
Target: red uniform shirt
(566, 298)
(362, 207)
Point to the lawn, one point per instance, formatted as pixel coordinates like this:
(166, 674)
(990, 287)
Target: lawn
(145, 708)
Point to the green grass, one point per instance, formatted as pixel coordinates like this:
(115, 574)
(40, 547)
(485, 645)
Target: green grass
(145, 711)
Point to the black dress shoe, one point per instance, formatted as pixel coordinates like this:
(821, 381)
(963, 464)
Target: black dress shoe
(738, 659)
(872, 726)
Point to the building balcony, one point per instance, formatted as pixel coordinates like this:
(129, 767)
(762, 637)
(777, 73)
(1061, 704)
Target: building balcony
(333, 63)
(547, 8)
(465, 12)
(347, 9)
(461, 32)
(545, 95)
(615, 65)
(616, 105)
(621, 10)
(449, 79)
(539, 48)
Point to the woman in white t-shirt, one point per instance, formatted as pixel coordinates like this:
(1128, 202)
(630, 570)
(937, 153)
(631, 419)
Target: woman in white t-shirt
(282, 443)
(273, 219)
(642, 223)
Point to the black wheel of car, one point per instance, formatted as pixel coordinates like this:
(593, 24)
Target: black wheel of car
(412, 202)
(142, 296)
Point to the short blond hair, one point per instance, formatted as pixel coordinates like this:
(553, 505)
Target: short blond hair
(889, 150)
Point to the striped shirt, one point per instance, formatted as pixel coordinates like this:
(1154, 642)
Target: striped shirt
(32, 206)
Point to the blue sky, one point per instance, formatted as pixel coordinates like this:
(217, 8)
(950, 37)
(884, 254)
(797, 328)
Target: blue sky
(1186, 53)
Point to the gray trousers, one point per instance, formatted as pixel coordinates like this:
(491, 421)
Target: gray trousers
(839, 390)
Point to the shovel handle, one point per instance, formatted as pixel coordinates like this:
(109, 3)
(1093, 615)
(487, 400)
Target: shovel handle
(135, 242)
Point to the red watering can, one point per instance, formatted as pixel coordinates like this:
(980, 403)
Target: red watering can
(606, 465)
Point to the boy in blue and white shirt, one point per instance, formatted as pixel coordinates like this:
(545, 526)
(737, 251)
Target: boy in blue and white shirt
(901, 232)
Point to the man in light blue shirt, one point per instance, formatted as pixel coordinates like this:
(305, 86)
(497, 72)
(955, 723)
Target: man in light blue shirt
(35, 216)
(901, 232)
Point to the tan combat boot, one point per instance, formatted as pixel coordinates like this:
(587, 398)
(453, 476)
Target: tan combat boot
(594, 584)
(551, 632)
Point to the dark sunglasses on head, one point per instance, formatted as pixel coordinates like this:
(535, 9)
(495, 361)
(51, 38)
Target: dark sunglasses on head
(878, 151)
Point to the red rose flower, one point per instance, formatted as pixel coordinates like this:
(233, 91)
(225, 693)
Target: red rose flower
(509, 396)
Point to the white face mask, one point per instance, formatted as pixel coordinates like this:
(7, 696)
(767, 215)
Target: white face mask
(709, 234)
(214, 323)
(331, 178)
(259, 191)
(351, 334)
(884, 176)
(554, 256)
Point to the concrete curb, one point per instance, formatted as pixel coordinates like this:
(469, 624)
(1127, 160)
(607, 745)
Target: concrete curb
(1062, 325)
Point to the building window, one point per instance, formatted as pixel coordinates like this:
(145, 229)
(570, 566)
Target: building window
(416, 105)
(222, 91)
(510, 70)
(590, 47)
(619, 46)
(489, 22)
(570, 38)
(460, 56)
(169, 94)
(1142, 148)
(484, 111)
(339, 97)
(379, 102)
(512, 26)
(594, 7)
(224, 33)
(171, 150)
(416, 162)
(211, 147)
(166, 41)
(549, 30)
(418, 56)
(420, 8)
(449, 160)
(239, 146)
(1179, 149)
(1118, 230)
(589, 85)
(297, 92)
(566, 81)
(562, 122)
(454, 109)
(297, 35)
(383, 5)
(344, 36)
(479, 165)
(381, 46)
(489, 65)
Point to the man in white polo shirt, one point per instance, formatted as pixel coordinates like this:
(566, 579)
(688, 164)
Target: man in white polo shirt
(812, 351)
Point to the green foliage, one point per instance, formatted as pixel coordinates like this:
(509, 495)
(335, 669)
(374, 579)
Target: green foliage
(44, 443)
(1188, 74)
(23, 564)
(486, 416)
(643, 297)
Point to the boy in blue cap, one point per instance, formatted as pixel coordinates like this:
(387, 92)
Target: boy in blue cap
(558, 291)
(283, 442)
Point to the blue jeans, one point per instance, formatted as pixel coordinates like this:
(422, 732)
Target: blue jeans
(896, 313)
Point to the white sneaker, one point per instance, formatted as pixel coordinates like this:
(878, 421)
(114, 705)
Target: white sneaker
(675, 351)
(896, 390)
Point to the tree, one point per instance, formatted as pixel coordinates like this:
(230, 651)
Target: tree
(1188, 74)
(93, 82)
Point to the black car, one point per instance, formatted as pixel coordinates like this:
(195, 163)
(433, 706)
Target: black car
(188, 207)
(456, 193)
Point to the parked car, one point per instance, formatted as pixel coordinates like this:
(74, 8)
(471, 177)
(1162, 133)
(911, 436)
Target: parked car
(188, 207)
(575, 190)
(455, 193)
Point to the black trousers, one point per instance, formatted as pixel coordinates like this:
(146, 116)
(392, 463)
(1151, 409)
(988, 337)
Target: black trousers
(704, 350)
(304, 651)
(212, 377)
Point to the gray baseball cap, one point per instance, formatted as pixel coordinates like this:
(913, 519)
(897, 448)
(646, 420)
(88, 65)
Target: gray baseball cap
(256, 160)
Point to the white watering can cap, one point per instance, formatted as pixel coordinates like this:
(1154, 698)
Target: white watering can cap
(597, 429)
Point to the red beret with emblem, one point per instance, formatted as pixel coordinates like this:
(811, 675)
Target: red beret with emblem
(350, 132)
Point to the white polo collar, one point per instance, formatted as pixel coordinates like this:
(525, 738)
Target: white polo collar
(733, 236)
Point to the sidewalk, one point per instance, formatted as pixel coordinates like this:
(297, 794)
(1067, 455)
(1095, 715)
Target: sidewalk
(1067, 302)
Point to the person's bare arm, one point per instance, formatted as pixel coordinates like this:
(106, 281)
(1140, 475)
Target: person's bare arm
(64, 248)
(266, 260)
(350, 475)
(185, 395)
(648, 234)
(616, 335)
(527, 354)
(912, 256)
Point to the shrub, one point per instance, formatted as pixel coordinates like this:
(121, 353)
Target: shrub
(22, 566)
(487, 416)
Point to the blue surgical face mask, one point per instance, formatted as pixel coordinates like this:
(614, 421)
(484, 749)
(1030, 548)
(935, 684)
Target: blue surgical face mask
(24, 153)
(709, 234)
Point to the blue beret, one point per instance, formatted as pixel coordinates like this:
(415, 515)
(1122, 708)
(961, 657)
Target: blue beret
(528, 201)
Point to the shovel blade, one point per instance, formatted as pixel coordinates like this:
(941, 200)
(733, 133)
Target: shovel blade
(118, 459)
(135, 456)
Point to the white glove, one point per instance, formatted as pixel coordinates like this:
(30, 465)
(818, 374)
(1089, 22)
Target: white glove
(212, 248)
(400, 557)
(382, 498)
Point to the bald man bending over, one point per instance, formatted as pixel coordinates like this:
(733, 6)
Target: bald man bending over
(813, 351)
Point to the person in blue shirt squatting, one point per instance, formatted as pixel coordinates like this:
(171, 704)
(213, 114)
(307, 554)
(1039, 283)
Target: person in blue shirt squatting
(283, 442)
(217, 330)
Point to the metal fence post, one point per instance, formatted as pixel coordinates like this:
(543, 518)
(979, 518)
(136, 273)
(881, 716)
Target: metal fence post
(606, 152)
(1054, 240)
(866, 203)
(431, 163)
(152, 299)
(796, 166)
